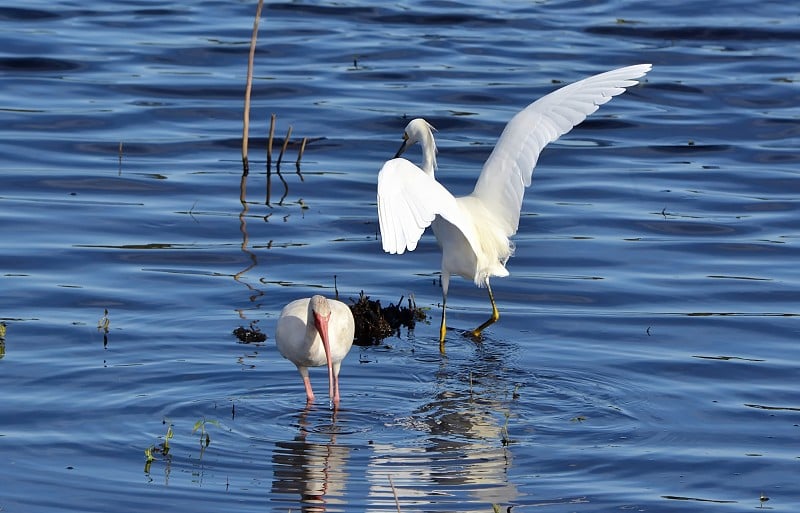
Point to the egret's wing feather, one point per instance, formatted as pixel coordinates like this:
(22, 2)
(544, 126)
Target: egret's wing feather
(509, 168)
(408, 201)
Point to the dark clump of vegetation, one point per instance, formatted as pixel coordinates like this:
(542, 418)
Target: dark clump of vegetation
(249, 335)
(374, 323)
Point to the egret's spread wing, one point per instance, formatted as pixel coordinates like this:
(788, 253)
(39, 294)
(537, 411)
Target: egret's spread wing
(408, 201)
(509, 168)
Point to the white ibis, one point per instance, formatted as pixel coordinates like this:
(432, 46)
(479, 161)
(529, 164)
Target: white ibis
(473, 231)
(316, 331)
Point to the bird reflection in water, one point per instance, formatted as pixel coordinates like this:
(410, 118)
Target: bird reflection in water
(461, 455)
(312, 465)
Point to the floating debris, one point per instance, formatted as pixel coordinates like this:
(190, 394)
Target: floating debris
(104, 323)
(374, 323)
(249, 335)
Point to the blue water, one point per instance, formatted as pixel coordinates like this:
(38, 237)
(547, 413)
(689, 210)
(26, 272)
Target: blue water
(646, 356)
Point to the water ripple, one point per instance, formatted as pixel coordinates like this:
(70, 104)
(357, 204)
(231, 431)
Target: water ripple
(646, 349)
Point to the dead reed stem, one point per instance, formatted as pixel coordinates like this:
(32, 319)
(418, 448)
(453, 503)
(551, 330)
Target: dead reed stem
(300, 153)
(248, 88)
(269, 140)
(285, 144)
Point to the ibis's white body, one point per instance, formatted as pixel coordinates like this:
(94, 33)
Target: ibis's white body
(316, 331)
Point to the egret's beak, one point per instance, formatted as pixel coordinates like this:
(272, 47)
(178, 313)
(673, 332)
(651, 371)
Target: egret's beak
(403, 147)
(321, 324)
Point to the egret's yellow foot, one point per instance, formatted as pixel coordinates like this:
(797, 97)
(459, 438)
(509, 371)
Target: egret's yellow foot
(493, 319)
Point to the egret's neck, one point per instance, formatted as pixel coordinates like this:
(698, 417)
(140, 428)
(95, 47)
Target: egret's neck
(428, 152)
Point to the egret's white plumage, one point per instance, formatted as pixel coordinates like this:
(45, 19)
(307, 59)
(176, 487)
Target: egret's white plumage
(473, 231)
(316, 331)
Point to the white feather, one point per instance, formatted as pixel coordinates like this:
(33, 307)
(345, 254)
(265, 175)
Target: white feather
(508, 170)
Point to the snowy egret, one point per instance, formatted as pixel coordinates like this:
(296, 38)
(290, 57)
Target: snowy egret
(473, 231)
(316, 331)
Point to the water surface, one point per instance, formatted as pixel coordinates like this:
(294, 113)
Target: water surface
(646, 354)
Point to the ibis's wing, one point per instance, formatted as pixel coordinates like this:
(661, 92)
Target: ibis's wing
(408, 201)
(509, 168)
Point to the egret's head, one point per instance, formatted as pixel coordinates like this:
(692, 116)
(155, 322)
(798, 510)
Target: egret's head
(420, 131)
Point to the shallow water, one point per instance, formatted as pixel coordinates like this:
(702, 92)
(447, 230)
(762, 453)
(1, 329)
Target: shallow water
(646, 356)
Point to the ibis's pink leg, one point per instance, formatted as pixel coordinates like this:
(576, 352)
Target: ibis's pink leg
(336, 391)
(309, 392)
